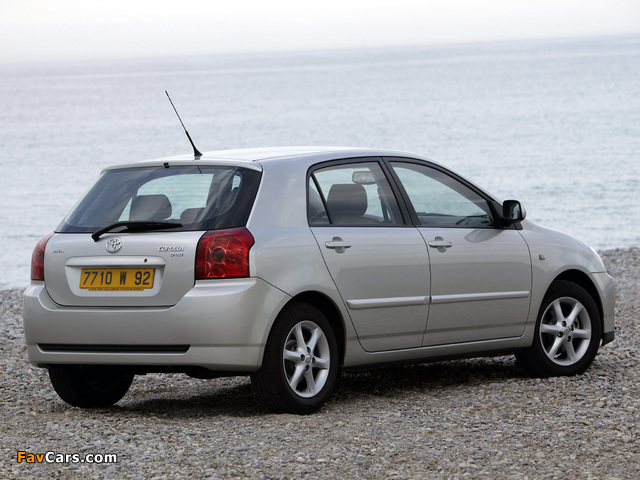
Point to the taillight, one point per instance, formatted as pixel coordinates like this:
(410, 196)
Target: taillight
(37, 259)
(224, 254)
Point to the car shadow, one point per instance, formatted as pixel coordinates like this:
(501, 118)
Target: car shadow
(181, 397)
(425, 377)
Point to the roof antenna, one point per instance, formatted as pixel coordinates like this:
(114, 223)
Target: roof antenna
(196, 152)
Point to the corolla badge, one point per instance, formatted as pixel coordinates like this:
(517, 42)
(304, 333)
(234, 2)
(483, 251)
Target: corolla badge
(113, 245)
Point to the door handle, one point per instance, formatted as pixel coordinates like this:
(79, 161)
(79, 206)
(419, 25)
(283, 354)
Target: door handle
(441, 244)
(337, 244)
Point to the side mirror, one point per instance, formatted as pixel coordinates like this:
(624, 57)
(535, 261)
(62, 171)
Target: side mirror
(513, 211)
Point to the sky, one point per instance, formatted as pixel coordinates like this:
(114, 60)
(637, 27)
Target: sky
(68, 30)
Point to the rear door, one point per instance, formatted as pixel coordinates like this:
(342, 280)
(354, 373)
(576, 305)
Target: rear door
(480, 272)
(379, 264)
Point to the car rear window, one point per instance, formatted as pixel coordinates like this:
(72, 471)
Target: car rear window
(198, 197)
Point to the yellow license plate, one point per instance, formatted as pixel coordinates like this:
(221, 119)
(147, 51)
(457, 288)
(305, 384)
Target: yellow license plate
(117, 278)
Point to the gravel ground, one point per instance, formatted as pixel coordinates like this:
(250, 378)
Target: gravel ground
(479, 418)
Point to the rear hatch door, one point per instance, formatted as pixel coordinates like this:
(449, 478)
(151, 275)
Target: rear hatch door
(147, 269)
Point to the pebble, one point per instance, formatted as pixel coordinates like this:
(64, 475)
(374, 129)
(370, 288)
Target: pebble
(479, 418)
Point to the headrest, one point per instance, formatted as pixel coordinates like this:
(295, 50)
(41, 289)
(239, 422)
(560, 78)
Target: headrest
(154, 208)
(347, 201)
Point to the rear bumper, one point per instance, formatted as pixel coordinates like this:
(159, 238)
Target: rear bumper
(219, 324)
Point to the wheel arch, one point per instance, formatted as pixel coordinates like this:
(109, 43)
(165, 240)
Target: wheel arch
(330, 310)
(583, 280)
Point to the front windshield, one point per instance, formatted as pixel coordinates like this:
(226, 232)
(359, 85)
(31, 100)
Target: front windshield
(198, 197)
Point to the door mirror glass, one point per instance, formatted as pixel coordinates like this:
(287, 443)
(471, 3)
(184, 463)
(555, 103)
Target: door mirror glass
(513, 211)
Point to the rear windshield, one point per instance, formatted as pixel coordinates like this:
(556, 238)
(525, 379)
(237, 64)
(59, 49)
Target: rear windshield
(198, 197)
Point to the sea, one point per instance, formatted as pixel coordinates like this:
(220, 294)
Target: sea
(554, 123)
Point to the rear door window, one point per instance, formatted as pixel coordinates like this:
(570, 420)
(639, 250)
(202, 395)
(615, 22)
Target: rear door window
(352, 194)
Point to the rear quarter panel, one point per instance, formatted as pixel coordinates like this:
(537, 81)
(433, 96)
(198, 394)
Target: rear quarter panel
(286, 254)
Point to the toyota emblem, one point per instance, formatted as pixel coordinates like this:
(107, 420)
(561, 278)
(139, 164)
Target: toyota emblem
(113, 245)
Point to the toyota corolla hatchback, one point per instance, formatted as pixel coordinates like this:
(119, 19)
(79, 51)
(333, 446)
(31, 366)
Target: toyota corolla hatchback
(290, 264)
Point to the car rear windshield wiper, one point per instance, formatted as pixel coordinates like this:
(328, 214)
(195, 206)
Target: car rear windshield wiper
(135, 226)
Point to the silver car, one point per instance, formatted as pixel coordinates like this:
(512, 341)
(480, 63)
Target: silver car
(290, 264)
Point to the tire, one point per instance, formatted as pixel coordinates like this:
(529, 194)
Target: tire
(567, 334)
(90, 386)
(300, 365)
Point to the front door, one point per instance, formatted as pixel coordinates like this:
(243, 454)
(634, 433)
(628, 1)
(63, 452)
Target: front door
(480, 271)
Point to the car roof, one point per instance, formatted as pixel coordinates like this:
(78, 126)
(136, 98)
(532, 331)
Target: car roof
(248, 156)
(255, 158)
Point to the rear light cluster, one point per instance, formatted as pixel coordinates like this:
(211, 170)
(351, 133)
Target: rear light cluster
(37, 259)
(224, 254)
